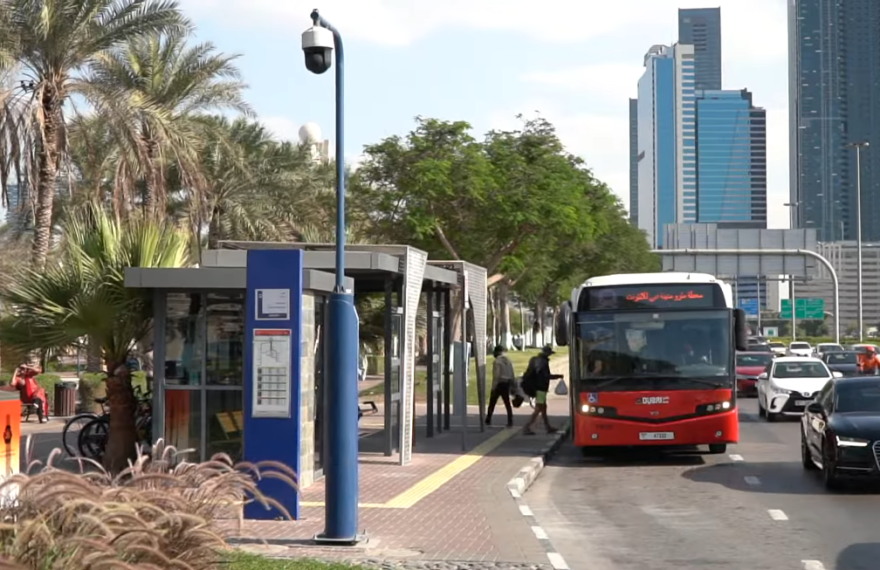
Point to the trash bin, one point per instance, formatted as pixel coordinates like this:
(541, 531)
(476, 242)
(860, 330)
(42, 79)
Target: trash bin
(65, 399)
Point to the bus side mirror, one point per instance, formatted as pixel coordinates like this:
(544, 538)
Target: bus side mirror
(740, 330)
(563, 322)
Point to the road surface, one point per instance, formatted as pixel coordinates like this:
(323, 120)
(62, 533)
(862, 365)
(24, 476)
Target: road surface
(754, 508)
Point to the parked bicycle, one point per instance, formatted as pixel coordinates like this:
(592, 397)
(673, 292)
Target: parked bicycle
(90, 431)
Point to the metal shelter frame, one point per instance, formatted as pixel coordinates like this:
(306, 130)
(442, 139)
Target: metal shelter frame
(402, 273)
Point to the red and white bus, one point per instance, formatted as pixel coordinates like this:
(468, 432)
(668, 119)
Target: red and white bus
(653, 360)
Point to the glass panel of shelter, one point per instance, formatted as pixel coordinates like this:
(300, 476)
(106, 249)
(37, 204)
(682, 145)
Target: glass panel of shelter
(204, 365)
(394, 411)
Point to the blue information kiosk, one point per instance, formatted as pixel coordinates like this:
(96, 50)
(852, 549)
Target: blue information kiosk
(272, 371)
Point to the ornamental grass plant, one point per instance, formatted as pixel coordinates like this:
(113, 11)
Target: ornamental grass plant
(158, 514)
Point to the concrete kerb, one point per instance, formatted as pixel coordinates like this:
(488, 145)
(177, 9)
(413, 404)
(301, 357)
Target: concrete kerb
(527, 475)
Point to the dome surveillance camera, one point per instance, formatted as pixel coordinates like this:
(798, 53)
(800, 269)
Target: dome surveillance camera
(317, 45)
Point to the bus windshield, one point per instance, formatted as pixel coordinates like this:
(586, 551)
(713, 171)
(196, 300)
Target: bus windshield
(668, 350)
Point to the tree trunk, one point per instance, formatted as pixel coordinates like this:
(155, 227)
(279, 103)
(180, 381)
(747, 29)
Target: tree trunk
(94, 357)
(539, 317)
(153, 178)
(122, 439)
(503, 292)
(492, 316)
(47, 167)
(214, 233)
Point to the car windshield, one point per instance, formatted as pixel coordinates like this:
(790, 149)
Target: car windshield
(841, 358)
(753, 359)
(857, 398)
(654, 350)
(760, 348)
(776, 345)
(800, 370)
(799, 345)
(830, 348)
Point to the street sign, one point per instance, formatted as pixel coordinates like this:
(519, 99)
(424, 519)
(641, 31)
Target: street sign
(749, 306)
(771, 332)
(813, 309)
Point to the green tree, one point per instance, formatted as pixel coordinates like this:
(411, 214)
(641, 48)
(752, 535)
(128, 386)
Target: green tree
(443, 191)
(54, 41)
(83, 295)
(154, 89)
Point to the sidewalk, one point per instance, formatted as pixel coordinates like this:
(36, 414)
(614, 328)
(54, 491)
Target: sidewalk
(445, 506)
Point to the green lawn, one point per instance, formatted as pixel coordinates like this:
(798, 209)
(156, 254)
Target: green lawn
(520, 360)
(243, 561)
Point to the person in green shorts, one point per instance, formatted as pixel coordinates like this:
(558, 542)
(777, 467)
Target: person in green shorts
(541, 365)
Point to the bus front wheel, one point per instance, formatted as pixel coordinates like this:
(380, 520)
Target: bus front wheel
(716, 448)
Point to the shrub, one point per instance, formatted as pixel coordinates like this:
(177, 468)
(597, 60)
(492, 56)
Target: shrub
(48, 382)
(91, 386)
(157, 514)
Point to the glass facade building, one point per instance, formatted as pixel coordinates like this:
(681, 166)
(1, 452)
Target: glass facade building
(666, 156)
(701, 28)
(634, 162)
(731, 159)
(834, 94)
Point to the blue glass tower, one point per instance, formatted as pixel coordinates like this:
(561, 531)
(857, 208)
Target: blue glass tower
(701, 28)
(731, 159)
(834, 94)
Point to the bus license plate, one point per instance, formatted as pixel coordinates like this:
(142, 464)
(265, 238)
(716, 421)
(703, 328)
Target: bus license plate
(656, 435)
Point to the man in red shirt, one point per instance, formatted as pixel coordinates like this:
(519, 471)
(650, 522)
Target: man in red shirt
(25, 380)
(869, 361)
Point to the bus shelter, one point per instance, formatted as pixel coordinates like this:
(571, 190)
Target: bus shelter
(404, 277)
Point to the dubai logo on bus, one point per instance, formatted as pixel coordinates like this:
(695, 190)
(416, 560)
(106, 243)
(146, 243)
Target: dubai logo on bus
(647, 297)
(650, 400)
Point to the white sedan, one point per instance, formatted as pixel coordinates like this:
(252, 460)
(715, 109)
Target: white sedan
(790, 384)
(800, 349)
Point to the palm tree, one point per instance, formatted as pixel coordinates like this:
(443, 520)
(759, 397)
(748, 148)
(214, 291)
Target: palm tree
(54, 41)
(155, 90)
(82, 294)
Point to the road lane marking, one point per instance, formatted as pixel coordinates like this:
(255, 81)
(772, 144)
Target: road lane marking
(812, 565)
(540, 534)
(514, 493)
(777, 515)
(557, 561)
(752, 480)
(526, 511)
(439, 478)
(735, 457)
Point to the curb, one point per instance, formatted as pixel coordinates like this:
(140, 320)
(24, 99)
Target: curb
(527, 475)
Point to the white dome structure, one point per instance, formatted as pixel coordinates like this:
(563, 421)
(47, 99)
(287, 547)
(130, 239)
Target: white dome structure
(310, 133)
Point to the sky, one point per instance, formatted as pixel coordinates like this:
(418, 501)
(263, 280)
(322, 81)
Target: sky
(575, 62)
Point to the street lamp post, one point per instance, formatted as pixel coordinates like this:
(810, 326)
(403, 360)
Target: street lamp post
(859, 146)
(341, 407)
(792, 206)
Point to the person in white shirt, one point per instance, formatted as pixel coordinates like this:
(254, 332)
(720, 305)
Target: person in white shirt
(503, 378)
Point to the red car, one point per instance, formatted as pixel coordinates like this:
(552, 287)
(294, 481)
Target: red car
(749, 365)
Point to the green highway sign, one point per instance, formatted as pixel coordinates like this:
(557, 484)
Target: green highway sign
(813, 309)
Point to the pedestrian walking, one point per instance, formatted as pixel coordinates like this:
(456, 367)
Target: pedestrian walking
(536, 380)
(503, 378)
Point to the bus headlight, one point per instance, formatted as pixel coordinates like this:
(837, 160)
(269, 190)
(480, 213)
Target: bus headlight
(598, 410)
(714, 408)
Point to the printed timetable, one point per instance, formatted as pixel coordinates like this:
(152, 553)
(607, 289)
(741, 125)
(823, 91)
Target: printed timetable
(271, 395)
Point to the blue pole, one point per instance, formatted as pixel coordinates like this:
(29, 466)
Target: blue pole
(341, 400)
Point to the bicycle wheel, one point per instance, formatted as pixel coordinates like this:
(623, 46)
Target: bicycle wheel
(93, 438)
(72, 428)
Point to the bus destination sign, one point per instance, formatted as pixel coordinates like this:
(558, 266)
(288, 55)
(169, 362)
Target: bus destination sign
(660, 297)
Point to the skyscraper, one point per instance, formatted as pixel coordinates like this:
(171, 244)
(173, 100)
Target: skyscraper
(731, 159)
(634, 162)
(666, 122)
(834, 94)
(701, 28)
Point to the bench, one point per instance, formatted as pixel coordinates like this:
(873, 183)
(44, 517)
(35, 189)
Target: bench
(371, 408)
(27, 410)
